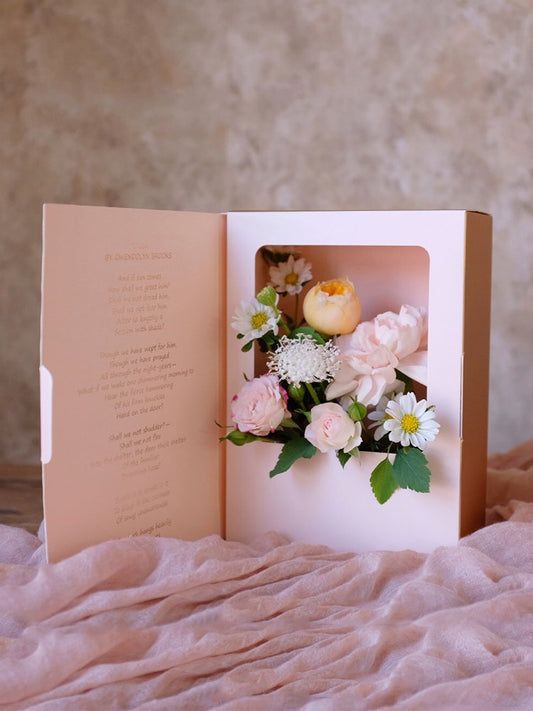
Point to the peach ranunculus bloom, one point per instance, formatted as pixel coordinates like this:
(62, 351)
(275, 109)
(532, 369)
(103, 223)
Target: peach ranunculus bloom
(370, 355)
(260, 406)
(332, 307)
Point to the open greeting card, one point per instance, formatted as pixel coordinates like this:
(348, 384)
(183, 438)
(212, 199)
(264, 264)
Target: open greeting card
(321, 374)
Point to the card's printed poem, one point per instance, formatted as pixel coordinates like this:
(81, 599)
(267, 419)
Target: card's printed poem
(134, 381)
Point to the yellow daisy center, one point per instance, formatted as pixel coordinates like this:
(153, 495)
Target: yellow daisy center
(335, 287)
(291, 278)
(410, 424)
(259, 319)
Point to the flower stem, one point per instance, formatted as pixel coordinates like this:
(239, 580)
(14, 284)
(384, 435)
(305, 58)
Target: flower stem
(312, 392)
(284, 324)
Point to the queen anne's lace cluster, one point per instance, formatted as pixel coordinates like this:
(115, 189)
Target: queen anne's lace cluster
(302, 360)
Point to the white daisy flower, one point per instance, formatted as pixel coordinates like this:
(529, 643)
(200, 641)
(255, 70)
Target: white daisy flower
(290, 276)
(410, 422)
(253, 319)
(303, 360)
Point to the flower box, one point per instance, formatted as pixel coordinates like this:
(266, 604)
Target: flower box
(440, 260)
(138, 364)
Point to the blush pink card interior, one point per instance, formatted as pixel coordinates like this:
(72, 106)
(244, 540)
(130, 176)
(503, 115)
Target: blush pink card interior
(131, 373)
(135, 341)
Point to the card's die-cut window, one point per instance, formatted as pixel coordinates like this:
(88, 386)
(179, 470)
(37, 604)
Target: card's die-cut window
(385, 278)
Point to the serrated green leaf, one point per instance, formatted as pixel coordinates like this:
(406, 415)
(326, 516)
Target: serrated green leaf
(357, 411)
(383, 482)
(343, 457)
(267, 296)
(291, 451)
(308, 331)
(410, 469)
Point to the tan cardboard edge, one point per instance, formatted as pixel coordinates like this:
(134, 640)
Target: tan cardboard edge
(474, 212)
(46, 205)
(476, 342)
(223, 358)
(45, 420)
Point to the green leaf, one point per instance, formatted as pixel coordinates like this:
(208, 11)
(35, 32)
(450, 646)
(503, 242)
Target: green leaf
(343, 457)
(308, 331)
(410, 469)
(278, 437)
(357, 411)
(291, 451)
(239, 438)
(247, 347)
(383, 482)
(269, 338)
(267, 296)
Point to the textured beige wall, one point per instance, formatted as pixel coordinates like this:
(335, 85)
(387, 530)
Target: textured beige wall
(246, 104)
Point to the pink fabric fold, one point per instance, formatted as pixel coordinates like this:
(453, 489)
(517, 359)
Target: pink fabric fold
(157, 623)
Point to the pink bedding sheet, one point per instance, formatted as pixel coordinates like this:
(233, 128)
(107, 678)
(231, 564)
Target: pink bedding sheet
(164, 624)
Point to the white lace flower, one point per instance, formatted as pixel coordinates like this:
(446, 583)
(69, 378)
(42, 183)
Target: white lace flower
(290, 276)
(303, 360)
(410, 422)
(253, 319)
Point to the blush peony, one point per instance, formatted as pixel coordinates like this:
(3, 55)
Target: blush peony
(370, 355)
(363, 375)
(402, 333)
(260, 406)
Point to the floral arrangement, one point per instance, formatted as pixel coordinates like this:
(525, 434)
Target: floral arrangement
(334, 383)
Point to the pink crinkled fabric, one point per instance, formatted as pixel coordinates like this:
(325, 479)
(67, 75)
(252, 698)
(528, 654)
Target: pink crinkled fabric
(156, 623)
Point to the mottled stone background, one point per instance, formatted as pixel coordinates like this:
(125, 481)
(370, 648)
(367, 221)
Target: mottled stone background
(247, 104)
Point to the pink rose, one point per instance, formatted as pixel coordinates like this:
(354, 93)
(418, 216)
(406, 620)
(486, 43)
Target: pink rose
(260, 406)
(332, 429)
